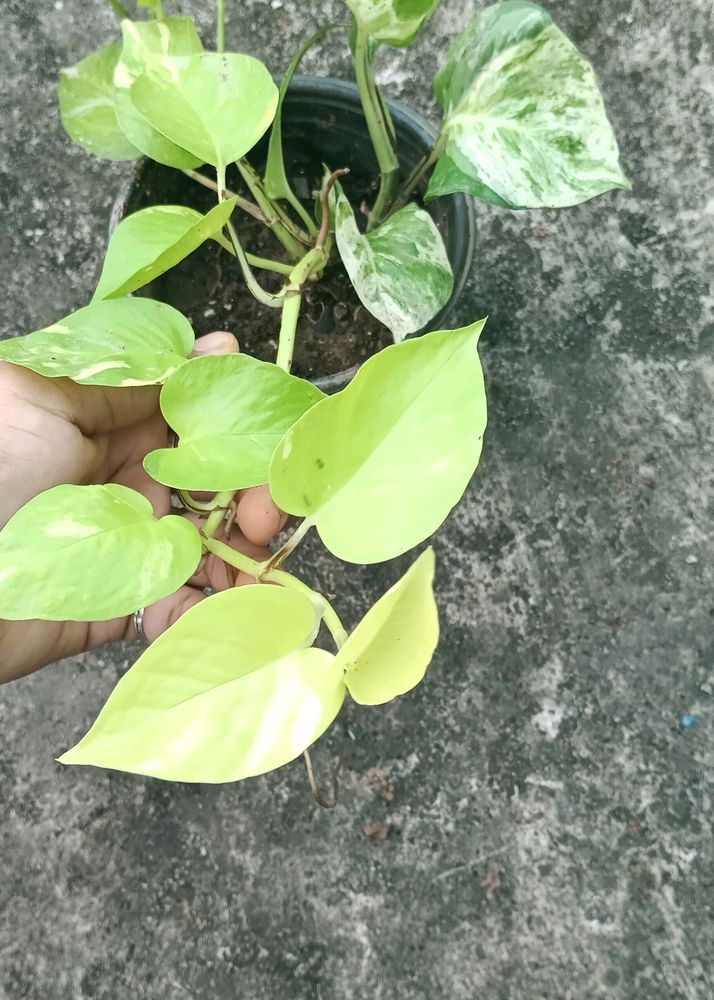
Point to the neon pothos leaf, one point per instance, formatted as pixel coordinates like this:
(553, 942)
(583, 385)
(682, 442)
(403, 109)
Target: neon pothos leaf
(144, 41)
(400, 270)
(377, 467)
(229, 412)
(86, 101)
(228, 692)
(151, 241)
(389, 651)
(118, 342)
(395, 22)
(215, 105)
(524, 121)
(91, 553)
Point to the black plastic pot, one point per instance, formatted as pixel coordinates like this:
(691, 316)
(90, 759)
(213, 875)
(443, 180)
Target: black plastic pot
(322, 118)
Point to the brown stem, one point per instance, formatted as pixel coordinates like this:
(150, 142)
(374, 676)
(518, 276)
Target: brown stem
(325, 203)
(244, 203)
(316, 794)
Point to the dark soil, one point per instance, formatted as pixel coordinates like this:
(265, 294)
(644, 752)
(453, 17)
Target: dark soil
(334, 332)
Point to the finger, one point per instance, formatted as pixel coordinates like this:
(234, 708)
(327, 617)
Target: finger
(258, 518)
(218, 342)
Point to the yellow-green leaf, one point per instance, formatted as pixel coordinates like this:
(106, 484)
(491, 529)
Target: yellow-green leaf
(230, 691)
(229, 411)
(86, 101)
(148, 243)
(389, 651)
(91, 553)
(377, 467)
(144, 41)
(217, 106)
(120, 342)
(395, 22)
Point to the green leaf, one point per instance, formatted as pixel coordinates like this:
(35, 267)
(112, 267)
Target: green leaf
(148, 243)
(378, 466)
(400, 270)
(215, 105)
(120, 342)
(524, 121)
(91, 553)
(230, 412)
(395, 22)
(228, 692)
(86, 101)
(389, 651)
(144, 42)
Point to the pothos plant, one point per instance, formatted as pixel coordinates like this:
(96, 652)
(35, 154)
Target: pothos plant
(237, 687)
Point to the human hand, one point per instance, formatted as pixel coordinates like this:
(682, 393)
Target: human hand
(54, 431)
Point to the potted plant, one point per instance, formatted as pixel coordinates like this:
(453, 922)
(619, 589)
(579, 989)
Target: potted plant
(237, 686)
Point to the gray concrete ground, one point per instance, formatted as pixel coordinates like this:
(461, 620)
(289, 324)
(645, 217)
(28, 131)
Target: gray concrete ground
(548, 816)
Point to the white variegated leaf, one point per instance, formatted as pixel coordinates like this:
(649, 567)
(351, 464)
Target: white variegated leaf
(395, 22)
(524, 121)
(400, 270)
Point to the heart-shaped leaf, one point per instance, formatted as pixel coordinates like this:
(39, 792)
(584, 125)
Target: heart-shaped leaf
(118, 342)
(228, 692)
(395, 22)
(215, 105)
(229, 411)
(389, 651)
(400, 270)
(143, 42)
(148, 243)
(91, 553)
(86, 101)
(524, 121)
(378, 466)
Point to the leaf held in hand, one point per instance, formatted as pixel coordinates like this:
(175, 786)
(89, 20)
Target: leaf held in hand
(388, 652)
(229, 411)
(215, 105)
(378, 466)
(91, 553)
(143, 42)
(86, 101)
(228, 692)
(394, 22)
(120, 342)
(523, 117)
(149, 242)
(400, 270)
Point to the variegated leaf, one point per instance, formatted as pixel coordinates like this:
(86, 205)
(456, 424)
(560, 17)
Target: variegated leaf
(524, 122)
(395, 22)
(399, 270)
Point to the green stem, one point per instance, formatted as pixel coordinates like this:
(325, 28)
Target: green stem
(219, 25)
(120, 11)
(314, 260)
(247, 565)
(243, 203)
(268, 265)
(222, 502)
(292, 238)
(412, 182)
(378, 127)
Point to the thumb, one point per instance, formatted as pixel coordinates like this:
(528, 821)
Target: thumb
(218, 342)
(163, 614)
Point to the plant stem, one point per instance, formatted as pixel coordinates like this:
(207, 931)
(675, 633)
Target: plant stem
(219, 25)
(378, 128)
(266, 298)
(292, 237)
(247, 565)
(120, 11)
(268, 265)
(314, 260)
(243, 203)
(292, 543)
(416, 175)
(222, 502)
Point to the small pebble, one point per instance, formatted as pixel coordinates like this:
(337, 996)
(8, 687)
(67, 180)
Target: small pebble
(687, 720)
